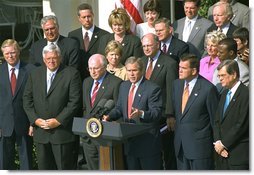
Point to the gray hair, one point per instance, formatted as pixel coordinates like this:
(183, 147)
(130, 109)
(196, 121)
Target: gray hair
(214, 36)
(51, 48)
(49, 17)
(101, 57)
(228, 8)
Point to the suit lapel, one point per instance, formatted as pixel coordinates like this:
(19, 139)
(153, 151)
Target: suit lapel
(196, 28)
(157, 68)
(56, 80)
(193, 96)
(22, 73)
(102, 89)
(94, 38)
(181, 26)
(139, 93)
(172, 46)
(232, 102)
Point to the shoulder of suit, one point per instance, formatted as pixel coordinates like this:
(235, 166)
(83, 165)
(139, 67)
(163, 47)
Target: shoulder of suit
(73, 32)
(113, 78)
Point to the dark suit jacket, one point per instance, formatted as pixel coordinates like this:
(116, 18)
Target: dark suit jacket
(147, 98)
(197, 36)
(108, 90)
(69, 51)
(194, 127)
(63, 102)
(12, 114)
(233, 128)
(230, 32)
(177, 48)
(164, 73)
(131, 46)
(92, 49)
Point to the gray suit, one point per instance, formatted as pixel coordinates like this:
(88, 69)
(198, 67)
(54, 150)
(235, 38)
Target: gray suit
(197, 36)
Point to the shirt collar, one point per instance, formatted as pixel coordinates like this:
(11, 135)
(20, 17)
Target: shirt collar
(16, 66)
(90, 31)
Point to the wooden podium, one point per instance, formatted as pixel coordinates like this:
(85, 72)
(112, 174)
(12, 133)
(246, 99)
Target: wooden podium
(111, 139)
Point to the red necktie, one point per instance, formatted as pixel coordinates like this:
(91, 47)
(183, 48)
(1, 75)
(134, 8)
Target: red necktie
(164, 48)
(130, 99)
(95, 90)
(13, 81)
(149, 69)
(185, 96)
(86, 41)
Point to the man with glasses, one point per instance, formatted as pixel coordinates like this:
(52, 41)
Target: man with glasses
(100, 85)
(69, 47)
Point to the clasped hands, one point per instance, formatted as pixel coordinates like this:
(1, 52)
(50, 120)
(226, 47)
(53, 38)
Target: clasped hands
(47, 124)
(220, 149)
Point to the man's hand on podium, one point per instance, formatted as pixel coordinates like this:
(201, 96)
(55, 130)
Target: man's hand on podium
(105, 118)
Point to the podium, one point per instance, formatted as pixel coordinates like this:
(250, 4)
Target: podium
(111, 139)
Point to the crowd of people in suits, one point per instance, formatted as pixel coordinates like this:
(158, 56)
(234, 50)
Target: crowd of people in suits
(189, 79)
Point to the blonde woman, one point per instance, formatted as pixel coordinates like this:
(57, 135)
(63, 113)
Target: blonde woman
(119, 21)
(113, 53)
(210, 62)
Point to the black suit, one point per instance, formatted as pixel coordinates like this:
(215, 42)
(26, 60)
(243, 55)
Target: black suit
(14, 123)
(193, 130)
(233, 130)
(145, 148)
(62, 102)
(92, 49)
(69, 52)
(230, 31)
(177, 48)
(131, 46)
(163, 74)
(107, 90)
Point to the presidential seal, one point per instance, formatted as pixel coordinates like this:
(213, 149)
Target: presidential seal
(94, 127)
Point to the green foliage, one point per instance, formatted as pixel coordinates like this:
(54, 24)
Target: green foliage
(205, 4)
(35, 163)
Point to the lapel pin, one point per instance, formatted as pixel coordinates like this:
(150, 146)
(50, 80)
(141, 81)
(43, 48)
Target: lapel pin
(123, 44)
(159, 65)
(196, 94)
(196, 28)
(233, 99)
(139, 95)
(170, 53)
(102, 87)
(95, 36)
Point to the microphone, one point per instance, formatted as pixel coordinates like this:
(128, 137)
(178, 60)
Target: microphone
(107, 108)
(99, 107)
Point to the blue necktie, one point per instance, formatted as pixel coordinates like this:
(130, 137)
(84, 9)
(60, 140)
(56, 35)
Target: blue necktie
(227, 101)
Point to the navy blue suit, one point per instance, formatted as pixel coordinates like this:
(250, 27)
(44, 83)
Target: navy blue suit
(148, 145)
(233, 130)
(193, 132)
(14, 123)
